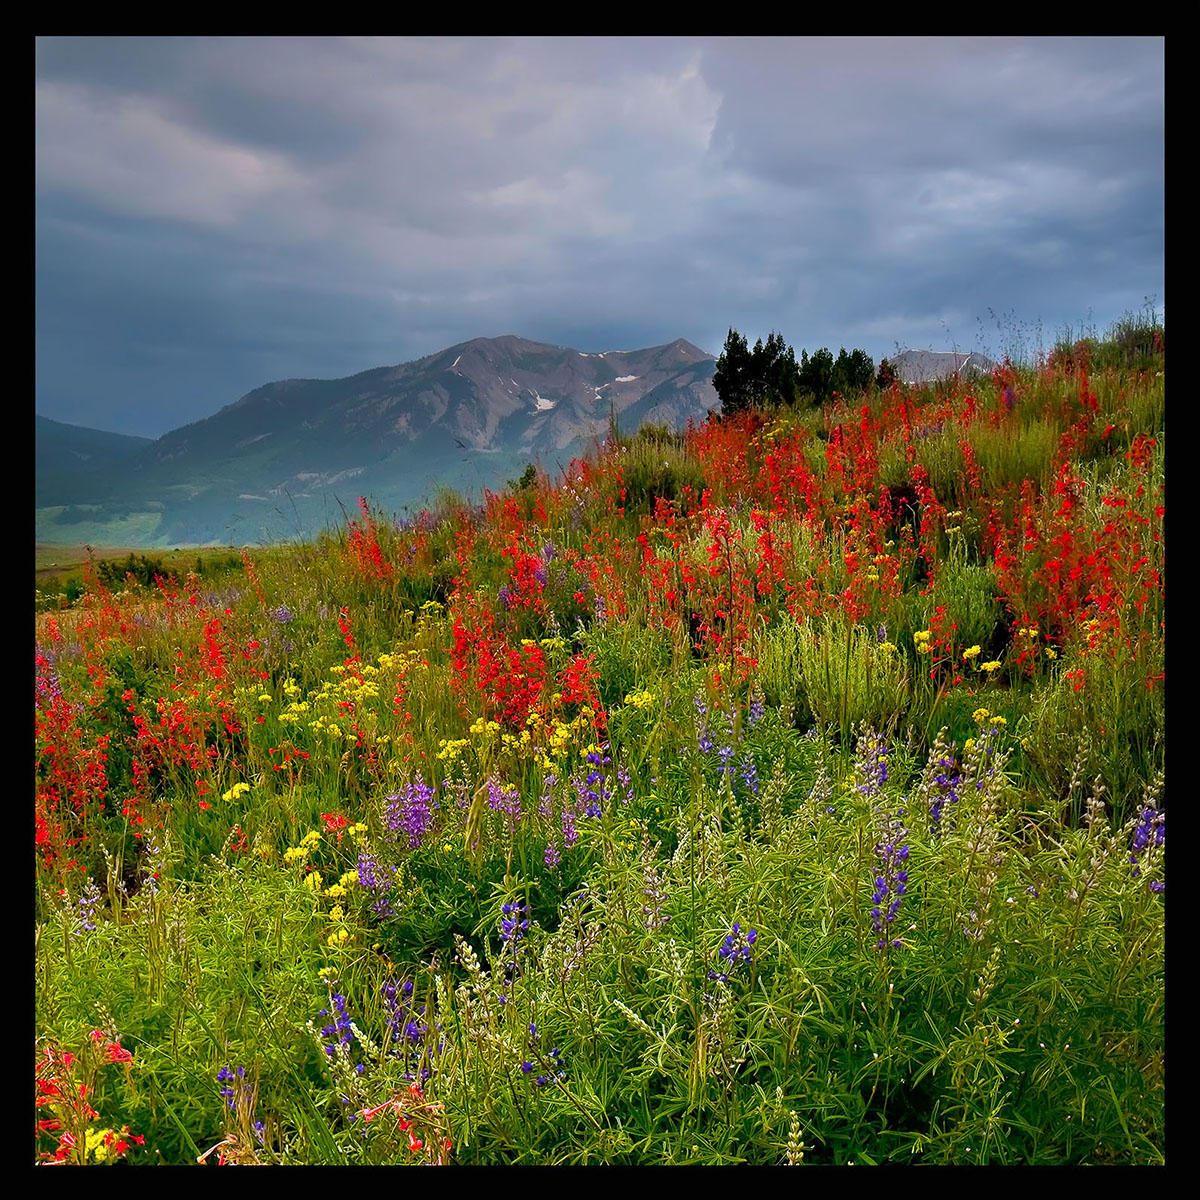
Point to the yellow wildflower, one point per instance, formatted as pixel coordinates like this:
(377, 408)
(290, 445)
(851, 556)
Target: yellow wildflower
(971, 652)
(989, 667)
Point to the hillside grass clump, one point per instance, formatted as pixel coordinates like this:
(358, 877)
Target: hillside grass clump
(789, 790)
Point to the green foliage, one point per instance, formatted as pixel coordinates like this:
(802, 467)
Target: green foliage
(817, 375)
(967, 592)
(657, 468)
(851, 373)
(537, 976)
(1101, 719)
(851, 677)
(764, 377)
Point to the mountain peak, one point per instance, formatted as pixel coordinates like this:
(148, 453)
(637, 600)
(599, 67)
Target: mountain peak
(466, 417)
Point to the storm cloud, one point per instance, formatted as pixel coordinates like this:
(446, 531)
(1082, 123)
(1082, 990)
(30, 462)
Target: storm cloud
(215, 213)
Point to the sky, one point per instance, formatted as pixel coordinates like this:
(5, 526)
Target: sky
(213, 214)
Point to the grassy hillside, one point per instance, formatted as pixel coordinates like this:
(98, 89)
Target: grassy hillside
(790, 791)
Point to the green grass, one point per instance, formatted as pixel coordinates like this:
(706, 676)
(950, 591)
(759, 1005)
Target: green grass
(658, 933)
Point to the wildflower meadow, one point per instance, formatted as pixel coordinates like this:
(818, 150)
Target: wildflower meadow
(787, 790)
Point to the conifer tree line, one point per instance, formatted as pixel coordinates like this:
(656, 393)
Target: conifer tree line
(769, 375)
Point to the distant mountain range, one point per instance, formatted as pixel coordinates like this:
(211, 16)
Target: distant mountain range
(926, 366)
(289, 457)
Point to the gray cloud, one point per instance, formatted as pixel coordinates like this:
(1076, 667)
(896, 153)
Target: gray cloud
(215, 213)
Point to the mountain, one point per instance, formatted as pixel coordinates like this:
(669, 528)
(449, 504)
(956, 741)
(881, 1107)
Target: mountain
(928, 366)
(288, 457)
(72, 461)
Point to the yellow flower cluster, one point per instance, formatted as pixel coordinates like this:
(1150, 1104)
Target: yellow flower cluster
(989, 667)
(94, 1144)
(336, 891)
(971, 652)
(308, 843)
(641, 700)
(451, 749)
(983, 716)
(238, 789)
(921, 640)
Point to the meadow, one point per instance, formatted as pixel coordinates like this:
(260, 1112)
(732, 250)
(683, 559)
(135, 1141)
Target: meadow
(785, 791)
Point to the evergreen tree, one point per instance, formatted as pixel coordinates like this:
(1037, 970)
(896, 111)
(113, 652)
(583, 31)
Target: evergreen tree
(816, 374)
(733, 375)
(764, 377)
(853, 372)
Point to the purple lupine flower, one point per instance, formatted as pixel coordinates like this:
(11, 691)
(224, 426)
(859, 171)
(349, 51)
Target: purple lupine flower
(504, 800)
(527, 1068)
(725, 754)
(749, 773)
(376, 876)
(407, 1029)
(339, 1029)
(891, 882)
(590, 792)
(504, 595)
(546, 799)
(235, 1092)
(1151, 827)
(87, 905)
(948, 780)
(625, 780)
(735, 951)
(758, 706)
(514, 924)
(871, 764)
(282, 615)
(410, 812)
